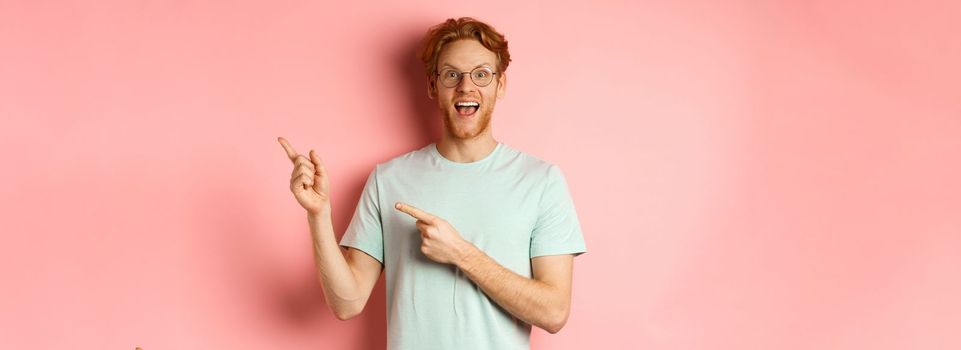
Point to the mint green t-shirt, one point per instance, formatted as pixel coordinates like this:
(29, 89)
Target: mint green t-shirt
(509, 204)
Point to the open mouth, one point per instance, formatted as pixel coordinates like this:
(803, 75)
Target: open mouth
(466, 108)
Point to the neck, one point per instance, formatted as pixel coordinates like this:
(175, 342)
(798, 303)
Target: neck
(466, 150)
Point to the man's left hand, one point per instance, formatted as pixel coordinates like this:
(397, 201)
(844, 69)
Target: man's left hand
(440, 241)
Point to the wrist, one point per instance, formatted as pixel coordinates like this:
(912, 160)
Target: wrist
(323, 214)
(466, 256)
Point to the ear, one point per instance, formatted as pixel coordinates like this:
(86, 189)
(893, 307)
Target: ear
(501, 85)
(431, 91)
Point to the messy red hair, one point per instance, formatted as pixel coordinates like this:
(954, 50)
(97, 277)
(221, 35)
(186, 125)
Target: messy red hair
(457, 29)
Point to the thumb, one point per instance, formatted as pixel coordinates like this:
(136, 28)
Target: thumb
(320, 174)
(314, 158)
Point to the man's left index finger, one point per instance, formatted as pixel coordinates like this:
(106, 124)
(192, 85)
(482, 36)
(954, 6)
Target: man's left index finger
(413, 211)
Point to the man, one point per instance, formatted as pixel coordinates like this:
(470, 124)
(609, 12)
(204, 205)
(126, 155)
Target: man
(477, 238)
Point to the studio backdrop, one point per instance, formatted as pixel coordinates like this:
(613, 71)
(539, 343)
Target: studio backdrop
(747, 174)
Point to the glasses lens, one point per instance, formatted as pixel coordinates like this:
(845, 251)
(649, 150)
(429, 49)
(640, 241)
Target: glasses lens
(481, 76)
(450, 77)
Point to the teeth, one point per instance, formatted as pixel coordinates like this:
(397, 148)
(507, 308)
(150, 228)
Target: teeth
(467, 104)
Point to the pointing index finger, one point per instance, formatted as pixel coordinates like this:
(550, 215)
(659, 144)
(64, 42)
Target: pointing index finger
(291, 153)
(415, 212)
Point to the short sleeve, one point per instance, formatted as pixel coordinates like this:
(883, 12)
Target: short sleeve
(365, 231)
(557, 229)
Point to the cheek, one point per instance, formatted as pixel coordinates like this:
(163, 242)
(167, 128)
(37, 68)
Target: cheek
(443, 97)
(490, 97)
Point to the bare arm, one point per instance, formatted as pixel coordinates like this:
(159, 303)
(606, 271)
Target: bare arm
(543, 301)
(347, 282)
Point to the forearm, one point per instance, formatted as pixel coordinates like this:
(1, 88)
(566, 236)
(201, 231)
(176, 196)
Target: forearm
(530, 300)
(337, 279)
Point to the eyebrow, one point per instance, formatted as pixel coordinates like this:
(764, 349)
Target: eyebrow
(479, 65)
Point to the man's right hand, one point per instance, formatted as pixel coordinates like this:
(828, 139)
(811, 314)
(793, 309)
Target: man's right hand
(309, 181)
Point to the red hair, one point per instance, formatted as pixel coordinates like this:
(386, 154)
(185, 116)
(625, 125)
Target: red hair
(458, 29)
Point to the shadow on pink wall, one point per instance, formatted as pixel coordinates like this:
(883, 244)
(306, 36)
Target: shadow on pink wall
(299, 304)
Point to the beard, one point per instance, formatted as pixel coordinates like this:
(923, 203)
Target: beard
(465, 130)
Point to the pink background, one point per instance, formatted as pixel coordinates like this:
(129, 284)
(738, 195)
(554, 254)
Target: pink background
(749, 174)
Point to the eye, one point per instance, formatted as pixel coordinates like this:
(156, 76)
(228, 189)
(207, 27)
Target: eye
(451, 74)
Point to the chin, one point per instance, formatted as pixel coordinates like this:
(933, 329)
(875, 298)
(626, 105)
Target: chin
(466, 131)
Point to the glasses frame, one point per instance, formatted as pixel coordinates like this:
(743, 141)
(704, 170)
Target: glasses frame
(471, 74)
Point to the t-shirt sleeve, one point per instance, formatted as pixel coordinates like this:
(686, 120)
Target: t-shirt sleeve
(557, 229)
(365, 231)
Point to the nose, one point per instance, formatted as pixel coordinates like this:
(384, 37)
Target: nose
(466, 84)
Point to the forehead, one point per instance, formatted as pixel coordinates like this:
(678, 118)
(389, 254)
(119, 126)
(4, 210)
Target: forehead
(466, 54)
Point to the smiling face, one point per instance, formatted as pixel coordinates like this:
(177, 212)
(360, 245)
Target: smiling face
(466, 122)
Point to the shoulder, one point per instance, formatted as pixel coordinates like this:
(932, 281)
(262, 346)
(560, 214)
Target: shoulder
(403, 163)
(532, 165)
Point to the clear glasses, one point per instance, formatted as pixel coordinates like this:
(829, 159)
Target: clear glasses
(481, 76)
